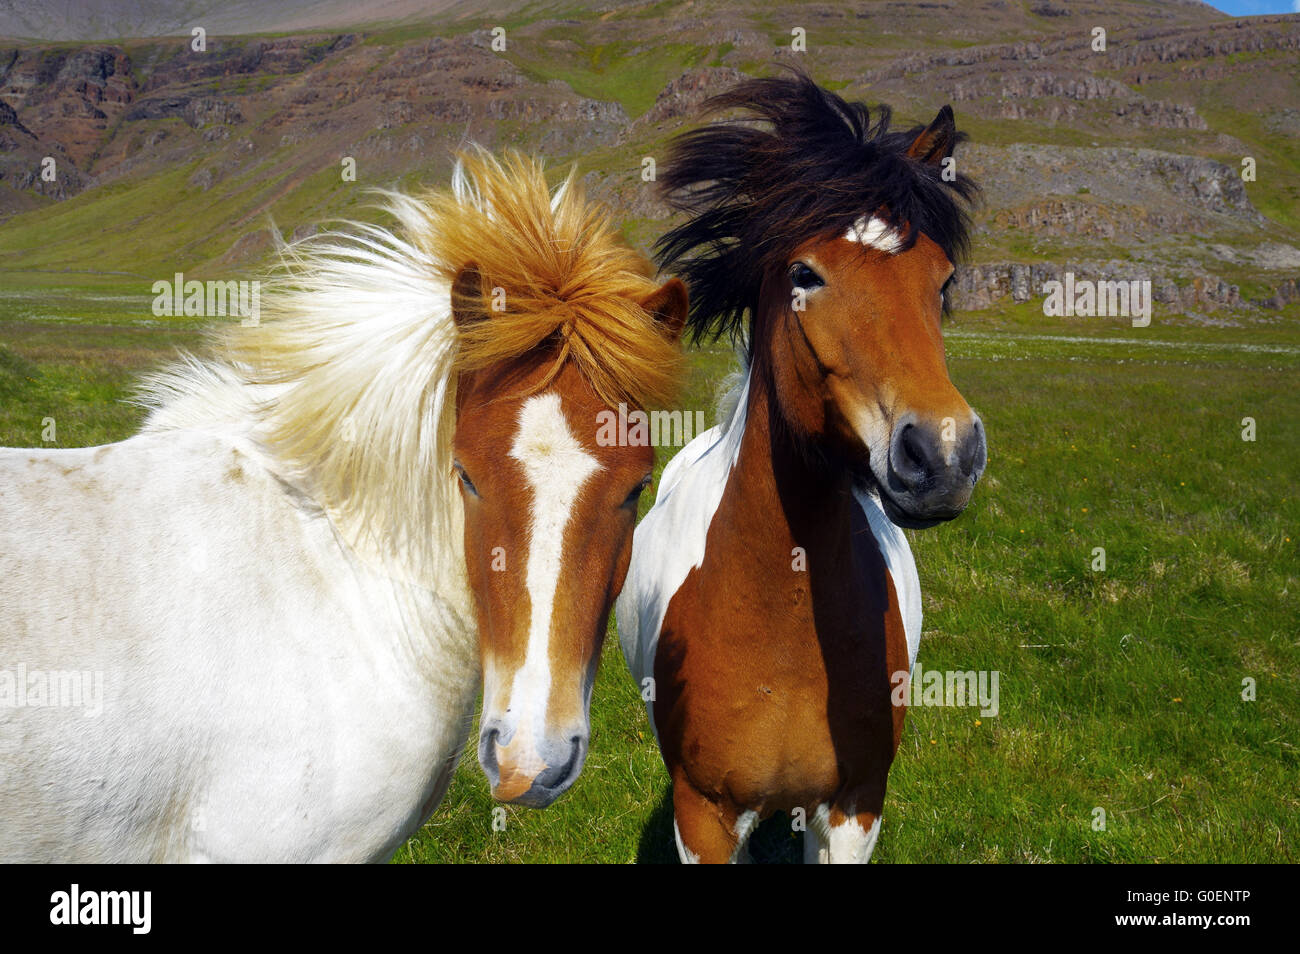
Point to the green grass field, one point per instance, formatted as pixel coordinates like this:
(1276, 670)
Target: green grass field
(1120, 689)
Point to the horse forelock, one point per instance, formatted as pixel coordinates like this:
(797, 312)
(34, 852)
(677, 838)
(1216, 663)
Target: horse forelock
(801, 164)
(553, 269)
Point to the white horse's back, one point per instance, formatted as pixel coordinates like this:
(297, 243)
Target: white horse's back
(222, 640)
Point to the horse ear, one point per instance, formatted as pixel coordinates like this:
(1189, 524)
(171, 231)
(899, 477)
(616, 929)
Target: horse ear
(467, 305)
(668, 305)
(936, 143)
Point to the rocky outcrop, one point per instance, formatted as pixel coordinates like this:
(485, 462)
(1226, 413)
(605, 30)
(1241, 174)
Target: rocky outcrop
(289, 92)
(1281, 296)
(24, 157)
(176, 64)
(95, 75)
(1212, 185)
(1158, 114)
(10, 118)
(1025, 84)
(68, 96)
(983, 285)
(1107, 192)
(1163, 45)
(682, 97)
(1256, 35)
(196, 111)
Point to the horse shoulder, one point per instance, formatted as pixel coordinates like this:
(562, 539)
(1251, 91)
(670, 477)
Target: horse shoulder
(668, 543)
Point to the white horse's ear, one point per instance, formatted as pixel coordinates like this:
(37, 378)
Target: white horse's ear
(467, 301)
(668, 305)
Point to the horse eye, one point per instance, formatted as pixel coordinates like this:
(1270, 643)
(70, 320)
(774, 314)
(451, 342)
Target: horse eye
(804, 277)
(464, 478)
(945, 292)
(636, 493)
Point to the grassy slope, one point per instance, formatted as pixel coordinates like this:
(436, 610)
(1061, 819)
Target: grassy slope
(1119, 690)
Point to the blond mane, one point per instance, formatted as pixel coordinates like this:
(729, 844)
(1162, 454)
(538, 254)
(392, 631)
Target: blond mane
(550, 264)
(348, 381)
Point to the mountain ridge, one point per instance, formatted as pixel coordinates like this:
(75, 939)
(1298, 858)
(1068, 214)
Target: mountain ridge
(165, 153)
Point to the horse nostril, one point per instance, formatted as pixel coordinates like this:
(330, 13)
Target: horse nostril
(560, 773)
(973, 452)
(487, 755)
(912, 448)
(912, 457)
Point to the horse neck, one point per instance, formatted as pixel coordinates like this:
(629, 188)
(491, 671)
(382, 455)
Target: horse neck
(781, 481)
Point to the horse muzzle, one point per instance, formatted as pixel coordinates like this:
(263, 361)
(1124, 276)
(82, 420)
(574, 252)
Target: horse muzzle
(932, 469)
(525, 769)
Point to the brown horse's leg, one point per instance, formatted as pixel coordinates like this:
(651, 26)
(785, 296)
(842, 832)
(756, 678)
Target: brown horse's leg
(706, 830)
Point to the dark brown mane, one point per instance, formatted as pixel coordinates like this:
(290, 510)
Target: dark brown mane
(756, 193)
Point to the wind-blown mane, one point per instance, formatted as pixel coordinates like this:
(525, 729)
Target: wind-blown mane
(755, 194)
(556, 269)
(348, 381)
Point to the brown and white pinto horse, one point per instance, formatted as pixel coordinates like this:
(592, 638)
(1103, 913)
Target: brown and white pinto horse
(771, 595)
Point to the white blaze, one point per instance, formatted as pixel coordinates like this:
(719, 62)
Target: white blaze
(556, 467)
(875, 233)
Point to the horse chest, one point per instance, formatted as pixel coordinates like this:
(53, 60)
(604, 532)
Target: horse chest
(774, 691)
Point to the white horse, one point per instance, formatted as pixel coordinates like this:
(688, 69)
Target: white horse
(251, 632)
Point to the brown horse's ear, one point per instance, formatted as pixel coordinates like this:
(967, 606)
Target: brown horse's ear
(937, 142)
(668, 305)
(467, 302)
